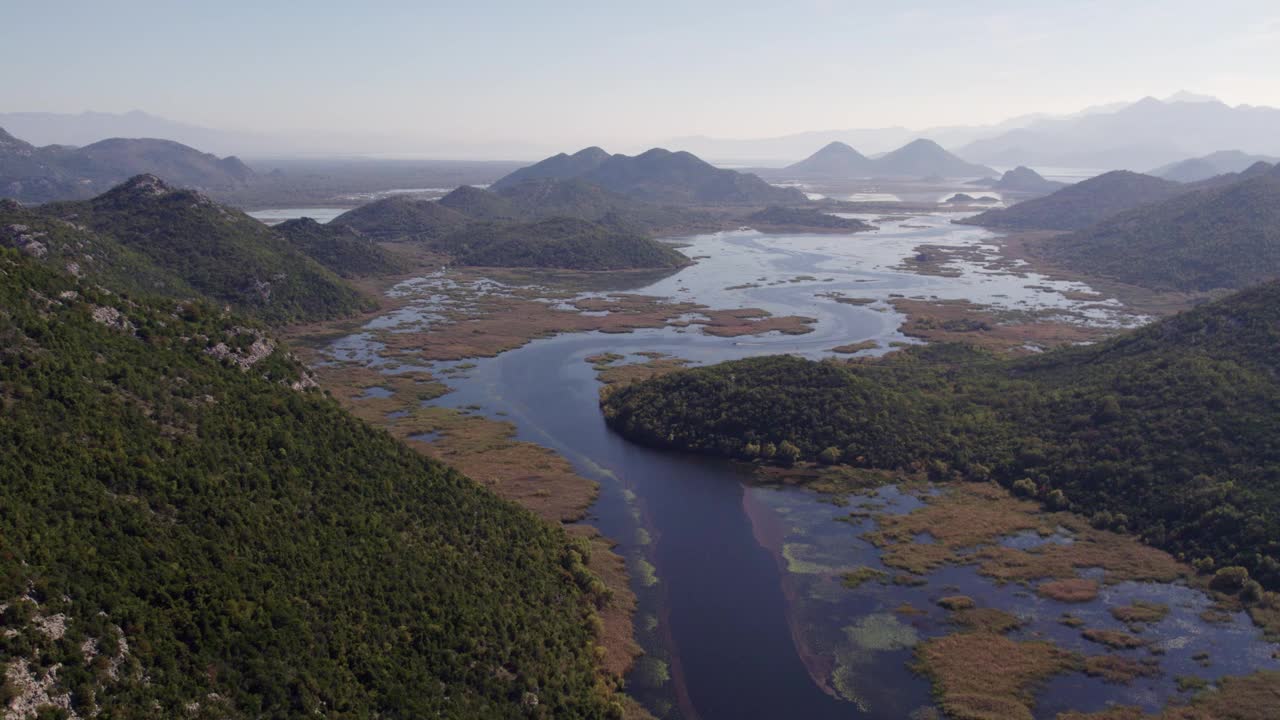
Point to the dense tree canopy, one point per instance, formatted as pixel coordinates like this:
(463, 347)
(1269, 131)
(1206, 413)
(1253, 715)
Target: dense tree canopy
(1172, 431)
(223, 545)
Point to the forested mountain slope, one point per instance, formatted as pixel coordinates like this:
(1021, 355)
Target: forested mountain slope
(1223, 237)
(189, 532)
(217, 251)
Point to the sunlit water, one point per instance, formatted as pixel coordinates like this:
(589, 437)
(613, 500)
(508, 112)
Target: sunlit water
(723, 614)
(275, 216)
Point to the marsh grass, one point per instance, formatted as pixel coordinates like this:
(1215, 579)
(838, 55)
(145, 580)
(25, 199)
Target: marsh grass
(1120, 670)
(986, 676)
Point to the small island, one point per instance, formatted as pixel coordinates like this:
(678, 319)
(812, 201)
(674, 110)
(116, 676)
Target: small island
(776, 218)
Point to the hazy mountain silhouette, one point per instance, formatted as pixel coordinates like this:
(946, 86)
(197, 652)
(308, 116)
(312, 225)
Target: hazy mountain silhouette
(836, 159)
(918, 158)
(1021, 179)
(56, 172)
(656, 175)
(1078, 206)
(1203, 168)
(1145, 134)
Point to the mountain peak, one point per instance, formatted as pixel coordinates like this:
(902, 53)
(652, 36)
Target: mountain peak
(921, 144)
(595, 152)
(9, 143)
(144, 185)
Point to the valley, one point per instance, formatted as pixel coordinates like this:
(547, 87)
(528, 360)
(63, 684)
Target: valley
(741, 575)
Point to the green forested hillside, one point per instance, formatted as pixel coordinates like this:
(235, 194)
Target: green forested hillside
(559, 243)
(1225, 237)
(181, 537)
(343, 250)
(805, 219)
(656, 175)
(401, 218)
(219, 252)
(1172, 431)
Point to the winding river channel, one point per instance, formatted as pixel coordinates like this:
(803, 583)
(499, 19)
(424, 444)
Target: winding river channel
(737, 610)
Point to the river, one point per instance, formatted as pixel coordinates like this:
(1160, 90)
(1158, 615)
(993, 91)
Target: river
(724, 611)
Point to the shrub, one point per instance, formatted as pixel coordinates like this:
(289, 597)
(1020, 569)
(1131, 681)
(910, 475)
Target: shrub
(1229, 579)
(788, 452)
(829, 456)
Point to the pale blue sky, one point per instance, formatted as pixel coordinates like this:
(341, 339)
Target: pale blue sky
(625, 72)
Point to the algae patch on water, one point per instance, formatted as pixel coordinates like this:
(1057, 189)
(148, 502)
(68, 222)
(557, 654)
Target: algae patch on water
(871, 635)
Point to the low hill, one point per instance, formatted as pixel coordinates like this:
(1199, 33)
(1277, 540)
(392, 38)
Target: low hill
(30, 174)
(1080, 205)
(1203, 168)
(187, 535)
(339, 248)
(399, 217)
(1021, 179)
(787, 218)
(835, 160)
(926, 158)
(218, 252)
(659, 176)
(568, 243)
(917, 159)
(481, 204)
(557, 167)
(540, 199)
(1168, 431)
(1218, 238)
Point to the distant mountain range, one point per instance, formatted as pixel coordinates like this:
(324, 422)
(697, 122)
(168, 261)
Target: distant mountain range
(39, 174)
(1127, 135)
(656, 175)
(1078, 206)
(1145, 134)
(1213, 164)
(918, 158)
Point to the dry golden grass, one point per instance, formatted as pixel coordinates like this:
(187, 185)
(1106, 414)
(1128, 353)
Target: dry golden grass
(1070, 590)
(990, 620)
(1120, 670)
(1249, 697)
(965, 322)
(611, 374)
(965, 515)
(917, 558)
(1140, 612)
(1121, 557)
(856, 347)
(1114, 639)
(956, 602)
(978, 515)
(985, 676)
(753, 321)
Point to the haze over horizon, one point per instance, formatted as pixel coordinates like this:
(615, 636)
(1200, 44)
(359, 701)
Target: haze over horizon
(437, 76)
